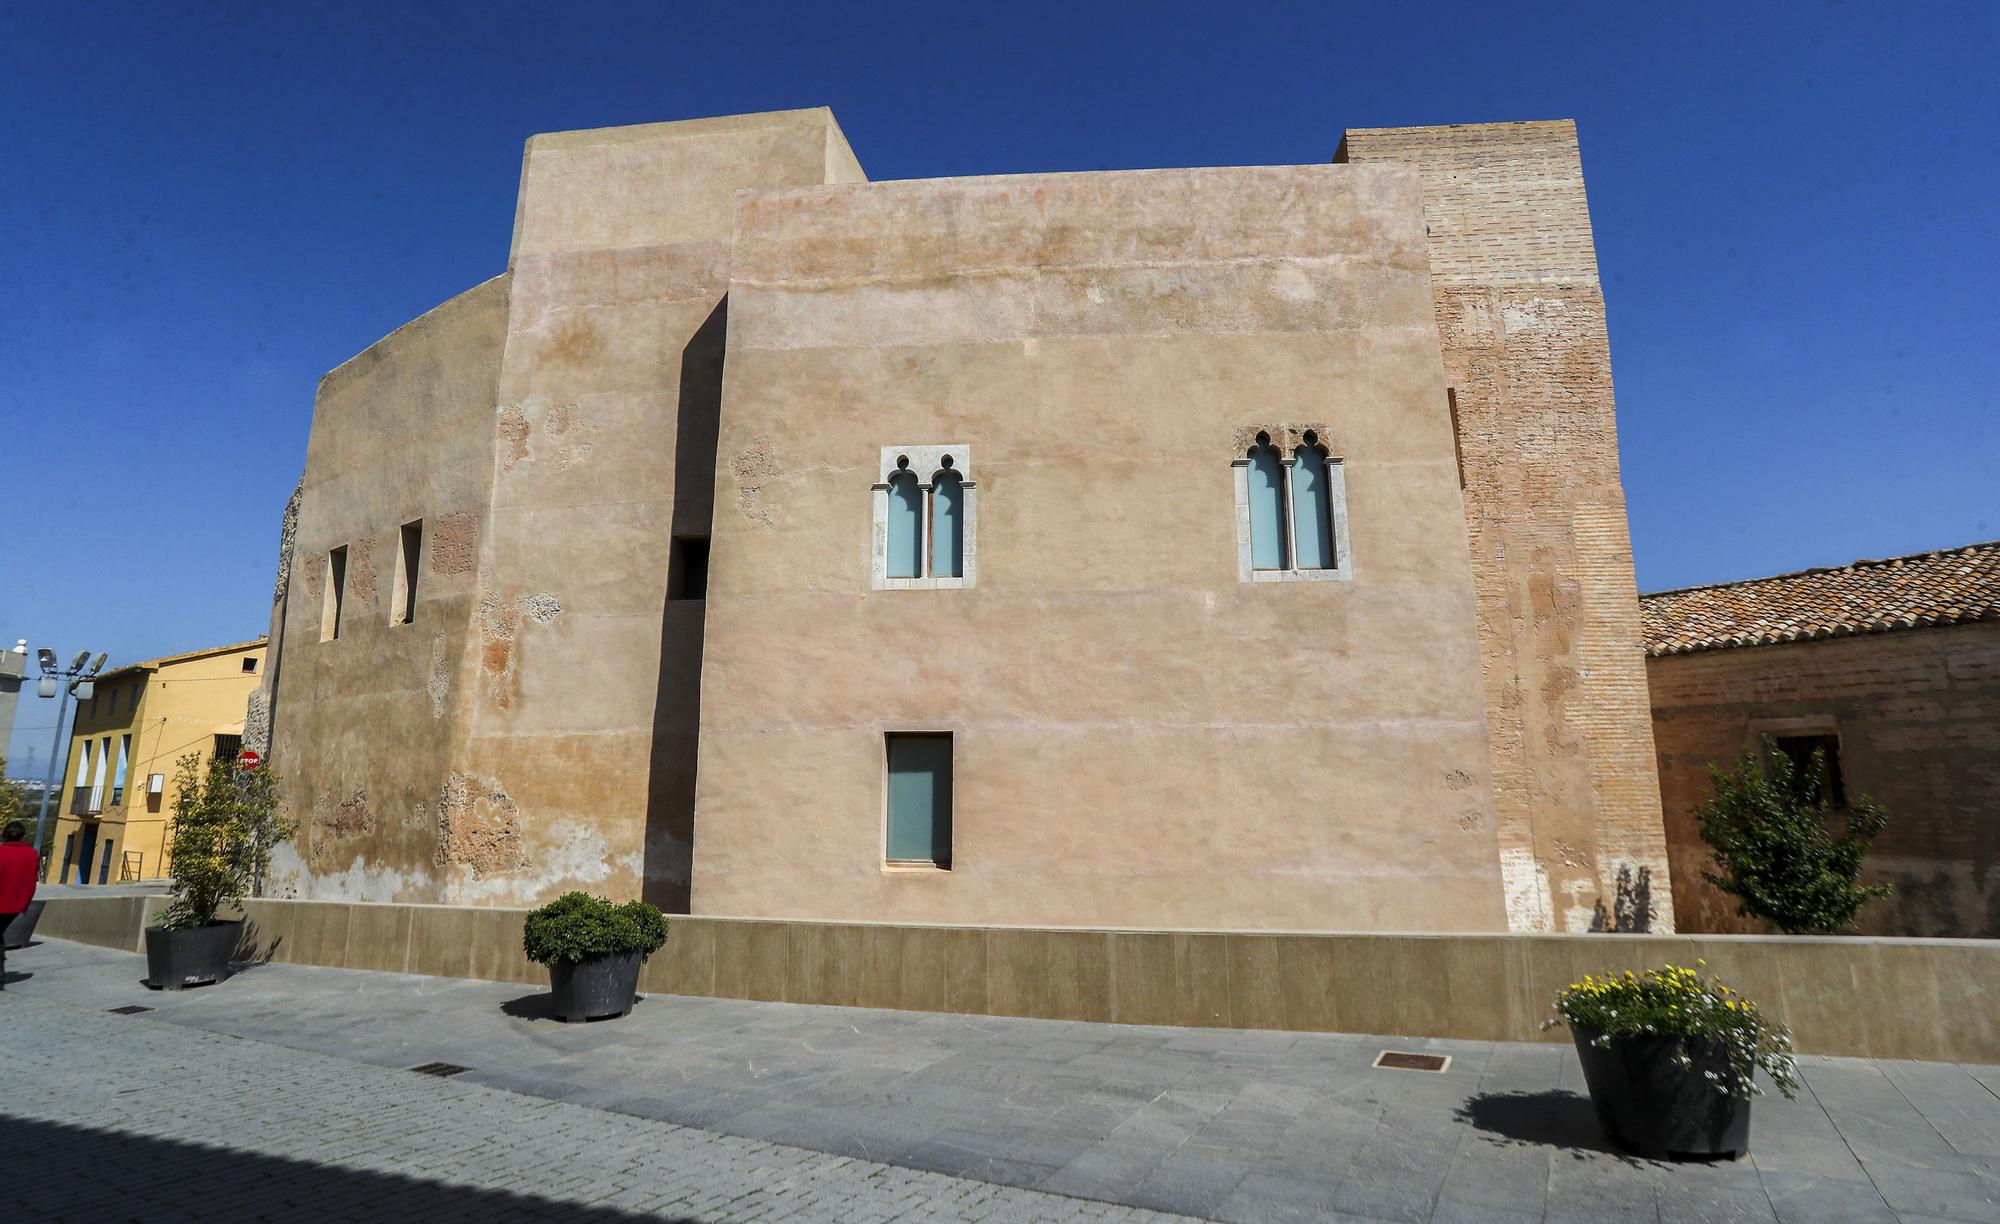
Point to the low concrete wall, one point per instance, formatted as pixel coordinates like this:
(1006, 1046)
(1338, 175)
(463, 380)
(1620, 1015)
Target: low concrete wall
(1935, 999)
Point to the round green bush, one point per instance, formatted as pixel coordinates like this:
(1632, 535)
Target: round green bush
(579, 927)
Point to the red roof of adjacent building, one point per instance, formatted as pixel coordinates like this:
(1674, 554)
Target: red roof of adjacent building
(1948, 587)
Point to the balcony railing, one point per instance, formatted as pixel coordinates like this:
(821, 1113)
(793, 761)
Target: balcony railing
(86, 801)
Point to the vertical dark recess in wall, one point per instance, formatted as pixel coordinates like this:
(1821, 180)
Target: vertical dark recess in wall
(677, 704)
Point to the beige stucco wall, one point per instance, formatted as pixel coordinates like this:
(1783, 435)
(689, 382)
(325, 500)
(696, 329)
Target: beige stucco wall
(1139, 737)
(581, 735)
(1521, 316)
(1917, 713)
(368, 726)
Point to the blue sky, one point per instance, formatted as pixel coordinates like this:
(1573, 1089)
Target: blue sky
(208, 206)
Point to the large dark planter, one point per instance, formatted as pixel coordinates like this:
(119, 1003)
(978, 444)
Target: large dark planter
(1657, 1109)
(176, 959)
(22, 929)
(596, 989)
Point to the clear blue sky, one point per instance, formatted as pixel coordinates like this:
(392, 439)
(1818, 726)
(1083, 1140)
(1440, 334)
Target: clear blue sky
(207, 206)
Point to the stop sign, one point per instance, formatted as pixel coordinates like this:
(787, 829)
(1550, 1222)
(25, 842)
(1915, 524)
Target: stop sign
(249, 758)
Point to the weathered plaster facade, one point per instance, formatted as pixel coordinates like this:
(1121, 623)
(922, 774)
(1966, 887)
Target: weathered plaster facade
(1443, 737)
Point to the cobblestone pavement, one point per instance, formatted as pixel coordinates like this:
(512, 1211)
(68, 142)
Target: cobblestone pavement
(107, 1117)
(1221, 1124)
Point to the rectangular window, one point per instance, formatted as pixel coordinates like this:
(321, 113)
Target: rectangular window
(118, 778)
(104, 864)
(228, 747)
(97, 776)
(336, 593)
(919, 799)
(409, 555)
(250, 664)
(1800, 749)
(688, 576)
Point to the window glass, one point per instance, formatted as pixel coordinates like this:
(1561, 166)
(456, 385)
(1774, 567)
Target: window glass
(1267, 510)
(1311, 506)
(906, 542)
(947, 526)
(920, 799)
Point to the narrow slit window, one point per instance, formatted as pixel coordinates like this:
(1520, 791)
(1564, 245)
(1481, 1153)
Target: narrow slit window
(1267, 506)
(336, 593)
(947, 525)
(906, 544)
(1312, 508)
(919, 799)
(689, 579)
(409, 560)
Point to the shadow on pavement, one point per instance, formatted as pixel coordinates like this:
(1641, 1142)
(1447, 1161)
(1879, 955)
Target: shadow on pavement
(1547, 1119)
(138, 1177)
(538, 1006)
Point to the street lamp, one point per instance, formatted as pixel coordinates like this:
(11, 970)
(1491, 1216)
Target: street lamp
(75, 678)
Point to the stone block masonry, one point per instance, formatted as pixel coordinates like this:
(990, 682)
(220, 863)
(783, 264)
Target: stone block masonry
(1520, 315)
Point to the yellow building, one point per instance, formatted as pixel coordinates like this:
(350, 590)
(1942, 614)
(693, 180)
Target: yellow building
(124, 743)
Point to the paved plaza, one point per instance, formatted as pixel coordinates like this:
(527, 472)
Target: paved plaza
(287, 1092)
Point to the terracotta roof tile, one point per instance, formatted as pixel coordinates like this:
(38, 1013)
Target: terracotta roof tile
(1947, 587)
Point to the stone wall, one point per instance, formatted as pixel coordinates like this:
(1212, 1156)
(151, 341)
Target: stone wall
(1936, 999)
(1520, 314)
(1917, 713)
(367, 728)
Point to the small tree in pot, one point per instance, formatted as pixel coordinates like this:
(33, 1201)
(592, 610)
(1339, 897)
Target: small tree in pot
(225, 824)
(594, 950)
(1670, 1059)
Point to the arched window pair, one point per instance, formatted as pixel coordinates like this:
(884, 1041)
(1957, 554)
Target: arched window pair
(1296, 509)
(937, 511)
(924, 526)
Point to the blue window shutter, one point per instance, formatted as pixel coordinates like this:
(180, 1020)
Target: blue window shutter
(920, 798)
(1312, 508)
(1267, 510)
(947, 526)
(906, 538)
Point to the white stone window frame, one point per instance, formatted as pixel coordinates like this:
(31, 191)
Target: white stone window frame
(926, 462)
(1336, 490)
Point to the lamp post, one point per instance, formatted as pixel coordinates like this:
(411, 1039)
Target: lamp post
(76, 678)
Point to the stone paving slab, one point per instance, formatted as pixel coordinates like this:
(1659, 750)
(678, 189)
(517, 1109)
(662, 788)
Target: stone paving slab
(114, 1118)
(1229, 1125)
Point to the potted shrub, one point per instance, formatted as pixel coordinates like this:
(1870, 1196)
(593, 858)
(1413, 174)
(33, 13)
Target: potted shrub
(225, 823)
(1670, 1058)
(594, 951)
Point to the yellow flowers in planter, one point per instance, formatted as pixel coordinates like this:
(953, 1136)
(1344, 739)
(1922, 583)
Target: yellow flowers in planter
(1677, 1003)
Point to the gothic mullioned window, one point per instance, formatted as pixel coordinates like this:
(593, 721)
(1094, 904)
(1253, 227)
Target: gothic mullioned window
(926, 518)
(1291, 512)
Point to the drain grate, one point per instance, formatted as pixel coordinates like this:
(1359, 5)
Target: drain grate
(1397, 1061)
(442, 1070)
(130, 1009)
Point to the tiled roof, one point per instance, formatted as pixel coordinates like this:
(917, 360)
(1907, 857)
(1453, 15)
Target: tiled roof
(1948, 587)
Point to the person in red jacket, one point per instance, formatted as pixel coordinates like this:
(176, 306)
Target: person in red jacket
(19, 865)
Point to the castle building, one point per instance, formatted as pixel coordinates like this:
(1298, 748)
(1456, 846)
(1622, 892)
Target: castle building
(1222, 548)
